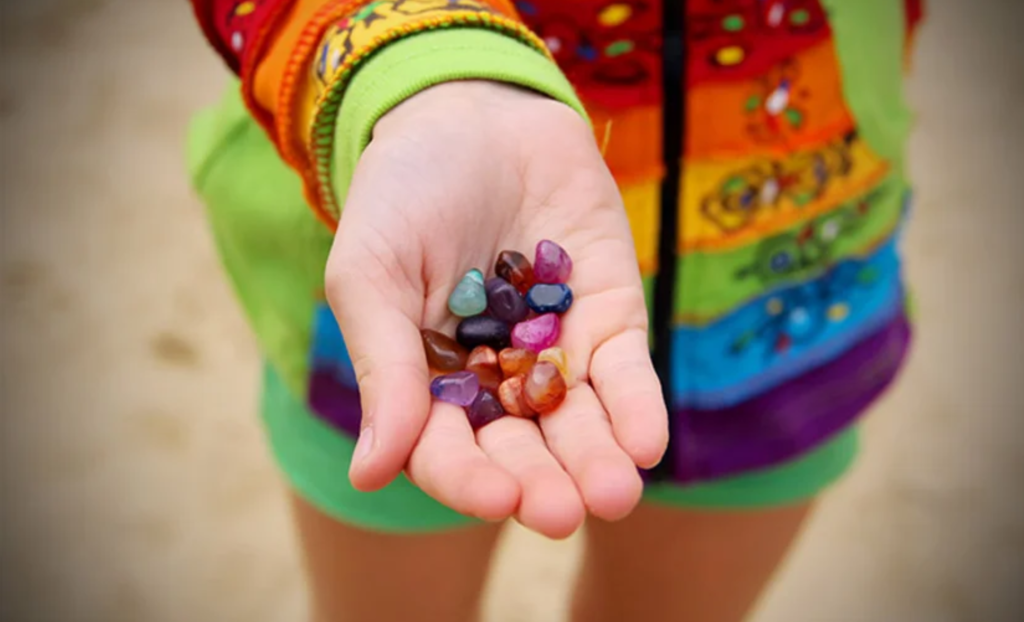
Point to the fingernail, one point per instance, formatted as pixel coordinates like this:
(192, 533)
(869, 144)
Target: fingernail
(364, 445)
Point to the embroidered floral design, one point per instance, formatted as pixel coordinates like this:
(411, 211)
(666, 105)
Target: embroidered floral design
(801, 178)
(795, 254)
(799, 315)
(774, 110)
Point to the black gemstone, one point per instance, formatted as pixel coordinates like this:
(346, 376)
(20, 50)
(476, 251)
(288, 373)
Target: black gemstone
(482, 330)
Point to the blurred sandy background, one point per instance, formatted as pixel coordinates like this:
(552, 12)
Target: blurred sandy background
(135, 482)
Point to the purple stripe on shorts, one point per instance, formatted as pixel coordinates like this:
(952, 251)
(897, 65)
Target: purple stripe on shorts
(762, 432)
(333, 401)
(791, 419)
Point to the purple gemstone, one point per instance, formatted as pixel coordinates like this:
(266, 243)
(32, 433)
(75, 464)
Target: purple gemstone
(551, 263)
(504, 301)
(484, 409)
(459, 388)
(537, 334)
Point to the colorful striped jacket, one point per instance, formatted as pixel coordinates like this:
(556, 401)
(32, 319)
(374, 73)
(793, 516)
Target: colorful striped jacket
(778, 147)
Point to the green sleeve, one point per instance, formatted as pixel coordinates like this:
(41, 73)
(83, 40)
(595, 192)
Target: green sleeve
(415, 63)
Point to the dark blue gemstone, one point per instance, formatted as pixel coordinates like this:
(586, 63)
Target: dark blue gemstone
(549, 298)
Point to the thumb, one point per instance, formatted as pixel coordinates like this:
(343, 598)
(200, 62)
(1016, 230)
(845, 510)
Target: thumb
(379, 319)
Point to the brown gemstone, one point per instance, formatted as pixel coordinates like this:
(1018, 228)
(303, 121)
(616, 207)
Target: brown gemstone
(443, 353)
(513, 398)
(515, 361)
(483, 361)
(515, 268)
(545, 388)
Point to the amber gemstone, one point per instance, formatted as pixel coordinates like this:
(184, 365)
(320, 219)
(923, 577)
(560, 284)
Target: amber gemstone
(483, 361)
(512, 396)
(556, 356)
(515, 268)
(544, 389)
(443, 353)
(515, 361)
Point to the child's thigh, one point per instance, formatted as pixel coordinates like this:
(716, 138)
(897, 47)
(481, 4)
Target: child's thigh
(665, 563)
(355, 574)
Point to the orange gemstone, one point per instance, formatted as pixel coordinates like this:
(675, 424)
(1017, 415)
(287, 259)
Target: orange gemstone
(513, 399)
(544, 388)
(515, 361)
(483, 361)
(482, 356)
(443, 353)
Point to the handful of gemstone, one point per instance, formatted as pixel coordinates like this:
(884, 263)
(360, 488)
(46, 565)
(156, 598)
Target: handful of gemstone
(503, 360)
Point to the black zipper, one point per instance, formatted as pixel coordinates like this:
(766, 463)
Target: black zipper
(673, 87)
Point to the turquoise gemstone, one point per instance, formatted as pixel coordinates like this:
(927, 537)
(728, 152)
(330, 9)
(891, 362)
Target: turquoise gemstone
(469, 297)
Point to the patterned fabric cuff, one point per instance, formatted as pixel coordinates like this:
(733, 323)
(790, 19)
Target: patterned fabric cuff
(353, 47)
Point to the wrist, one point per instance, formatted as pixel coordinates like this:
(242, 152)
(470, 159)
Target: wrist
(467, 102)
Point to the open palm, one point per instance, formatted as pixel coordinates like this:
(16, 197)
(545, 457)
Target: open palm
(452, 177)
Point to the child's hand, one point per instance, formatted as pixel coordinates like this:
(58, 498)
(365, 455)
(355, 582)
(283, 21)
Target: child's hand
(453, 176)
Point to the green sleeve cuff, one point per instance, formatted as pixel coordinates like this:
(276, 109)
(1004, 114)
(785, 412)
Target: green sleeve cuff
(412, 64)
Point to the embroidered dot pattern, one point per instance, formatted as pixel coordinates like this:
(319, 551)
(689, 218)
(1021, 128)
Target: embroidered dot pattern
(614, 15)
(729, 56)
(733, 23)
(618, 48)
(838, 312)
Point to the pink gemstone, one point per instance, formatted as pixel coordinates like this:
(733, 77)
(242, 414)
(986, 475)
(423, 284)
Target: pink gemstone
(537, 334)
(551, 263)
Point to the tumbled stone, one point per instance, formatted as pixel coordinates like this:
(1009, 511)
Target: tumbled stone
(551, 264)
(486, 407)
(515, 361)
(513, 399)
(443, 353)
(549, 298)
(481, 330)
(544, 388)
(515, 268)
(504, 301)
(459, 388)
(469, 297)
(537, 334)
(483, 361)
(557, 357)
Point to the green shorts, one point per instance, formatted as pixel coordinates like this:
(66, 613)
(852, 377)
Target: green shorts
(315, 457)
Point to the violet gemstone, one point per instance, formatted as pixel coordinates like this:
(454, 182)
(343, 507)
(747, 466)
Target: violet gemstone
(504, 301)
(459, 388)
(545, 298)
(484, 409)
(551, 263)
(481, 330)
(537, 334)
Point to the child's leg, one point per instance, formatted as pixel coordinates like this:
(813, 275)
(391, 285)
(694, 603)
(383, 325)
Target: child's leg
(703, 553)
(665, 564)
(361, 575)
